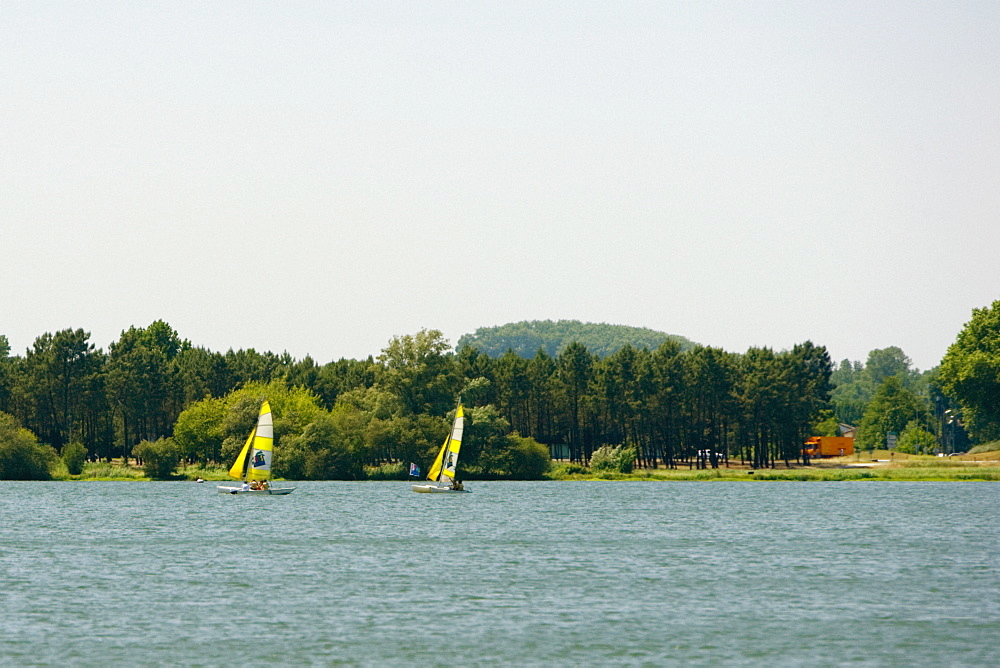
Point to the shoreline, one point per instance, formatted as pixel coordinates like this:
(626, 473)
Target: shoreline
(877, 465)
(987, 473)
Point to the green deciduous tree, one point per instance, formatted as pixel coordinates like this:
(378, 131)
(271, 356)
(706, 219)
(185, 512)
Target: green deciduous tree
(198, 431)
(891, 409)
(852, 390)
(490, 450)
(405, 438)
(970, 373)
(885, 362)
(291, 410)
(854, 383)
(325, 450)
(484, 441)
(916, 439)
(417, 369)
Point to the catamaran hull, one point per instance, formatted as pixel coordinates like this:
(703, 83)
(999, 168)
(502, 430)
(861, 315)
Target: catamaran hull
(435, 489)
(279, 491)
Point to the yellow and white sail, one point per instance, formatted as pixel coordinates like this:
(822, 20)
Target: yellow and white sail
(443, 468)
(254, 461)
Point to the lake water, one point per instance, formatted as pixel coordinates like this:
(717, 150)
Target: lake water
(516, 573)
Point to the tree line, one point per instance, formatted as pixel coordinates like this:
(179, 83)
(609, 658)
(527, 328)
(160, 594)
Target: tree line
(671, 406)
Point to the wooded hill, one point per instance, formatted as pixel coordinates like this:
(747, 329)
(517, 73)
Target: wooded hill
(529, 336)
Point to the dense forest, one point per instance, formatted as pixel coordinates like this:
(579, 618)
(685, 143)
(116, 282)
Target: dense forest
(529, 336)
(153, 392)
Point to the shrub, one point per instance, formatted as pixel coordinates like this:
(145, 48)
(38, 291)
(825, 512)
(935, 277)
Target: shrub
(22, 457)
(567, 468)
(527, 458)
(620, 459)
(75, 456)
(159, 458)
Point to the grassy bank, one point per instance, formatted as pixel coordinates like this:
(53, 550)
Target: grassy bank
(876, 465)
(118, 470)
(804, 473)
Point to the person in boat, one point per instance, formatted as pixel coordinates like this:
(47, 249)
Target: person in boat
(245, 487)
(264, 484)
(457, 486)
(254, 485)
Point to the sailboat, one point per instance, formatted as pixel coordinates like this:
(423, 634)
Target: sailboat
(253, 466)
(442, 473)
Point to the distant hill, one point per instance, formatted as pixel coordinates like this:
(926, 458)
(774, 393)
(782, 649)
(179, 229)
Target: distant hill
(529, 336)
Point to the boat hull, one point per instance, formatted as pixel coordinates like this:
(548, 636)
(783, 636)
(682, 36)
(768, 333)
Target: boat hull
(437, 489)
(274, 491)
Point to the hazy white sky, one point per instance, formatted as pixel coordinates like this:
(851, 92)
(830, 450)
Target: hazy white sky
(317, 177)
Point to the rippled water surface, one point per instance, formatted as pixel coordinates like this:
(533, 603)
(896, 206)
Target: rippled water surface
(550, 573)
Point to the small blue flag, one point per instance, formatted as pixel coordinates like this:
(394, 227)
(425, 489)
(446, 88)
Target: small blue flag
(414, 471)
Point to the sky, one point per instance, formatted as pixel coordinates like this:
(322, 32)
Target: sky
(319, 177)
